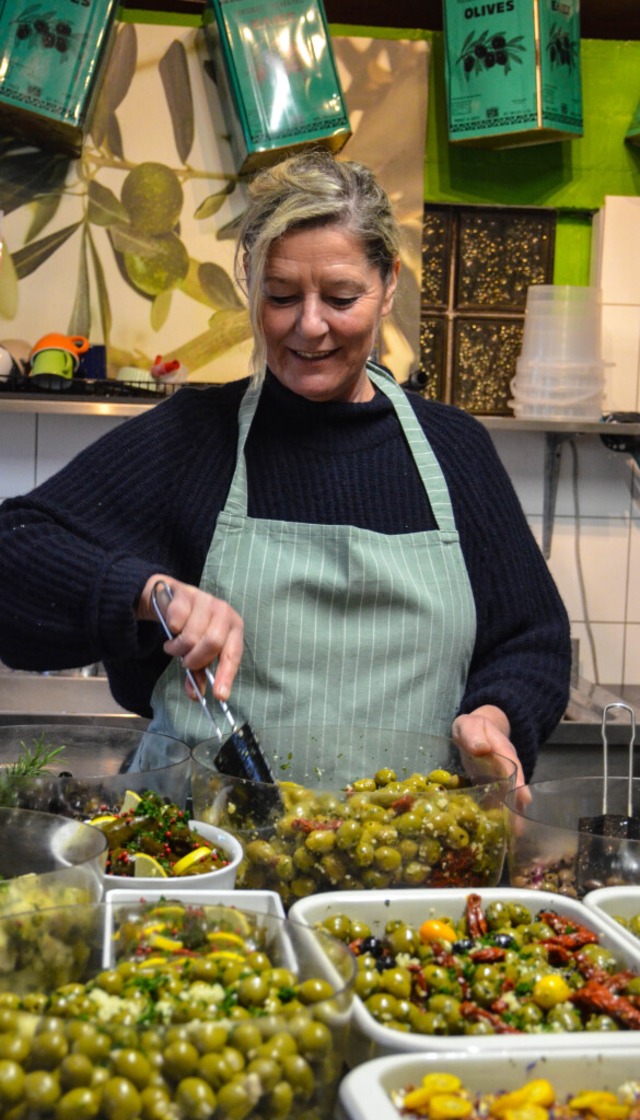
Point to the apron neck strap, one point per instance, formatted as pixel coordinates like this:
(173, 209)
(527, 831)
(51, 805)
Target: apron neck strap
(426, 463)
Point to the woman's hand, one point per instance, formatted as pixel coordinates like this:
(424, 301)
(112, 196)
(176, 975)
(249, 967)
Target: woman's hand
(206, 629)
(484, 735)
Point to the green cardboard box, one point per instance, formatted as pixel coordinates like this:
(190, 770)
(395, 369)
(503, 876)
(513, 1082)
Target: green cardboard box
(277, 78)
(51, 57)
(513, 71)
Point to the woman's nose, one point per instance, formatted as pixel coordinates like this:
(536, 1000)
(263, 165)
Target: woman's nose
(312, 321)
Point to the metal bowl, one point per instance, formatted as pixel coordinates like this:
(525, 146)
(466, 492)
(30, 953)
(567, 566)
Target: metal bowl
(94, 768)
(548, 848)
(47, 860)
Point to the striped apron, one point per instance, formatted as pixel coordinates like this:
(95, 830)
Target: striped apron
(357, 644)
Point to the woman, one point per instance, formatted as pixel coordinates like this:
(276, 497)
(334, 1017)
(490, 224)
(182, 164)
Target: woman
(349, 555)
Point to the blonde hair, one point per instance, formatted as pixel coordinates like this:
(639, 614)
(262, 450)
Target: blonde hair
(310, 189)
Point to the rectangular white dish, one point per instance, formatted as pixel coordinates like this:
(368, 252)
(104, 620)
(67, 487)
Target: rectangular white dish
(371, 1039)
(256, 902)
(611, 901)
(365, 1091)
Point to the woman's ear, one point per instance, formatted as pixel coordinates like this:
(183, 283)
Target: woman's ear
(390, 290)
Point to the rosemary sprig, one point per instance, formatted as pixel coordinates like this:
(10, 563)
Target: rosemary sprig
(33, 760)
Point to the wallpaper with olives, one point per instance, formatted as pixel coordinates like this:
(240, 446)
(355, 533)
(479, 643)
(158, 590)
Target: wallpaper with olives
(132, 244)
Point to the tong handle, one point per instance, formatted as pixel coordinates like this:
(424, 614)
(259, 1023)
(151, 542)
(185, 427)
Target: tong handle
(605, 744)
(162, 591)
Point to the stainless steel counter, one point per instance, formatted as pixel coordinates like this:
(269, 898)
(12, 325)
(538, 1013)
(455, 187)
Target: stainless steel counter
(57, 698)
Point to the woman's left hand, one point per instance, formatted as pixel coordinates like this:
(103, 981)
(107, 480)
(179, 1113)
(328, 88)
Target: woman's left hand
(484, 734)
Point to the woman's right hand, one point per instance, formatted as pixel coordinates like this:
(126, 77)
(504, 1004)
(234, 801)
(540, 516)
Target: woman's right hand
(206, 629)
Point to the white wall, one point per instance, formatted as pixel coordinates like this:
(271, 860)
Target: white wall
(603, 542)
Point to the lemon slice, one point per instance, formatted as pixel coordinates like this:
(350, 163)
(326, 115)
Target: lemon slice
(102, 819)
(196, 856)
(166, 944)
(225, 955)
(168, 912)
(224, 939)
(228, 918)
(131, 801)
(148, 866)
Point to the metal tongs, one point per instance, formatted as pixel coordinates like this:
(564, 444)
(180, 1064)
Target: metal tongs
(602, 852)
(240, 754)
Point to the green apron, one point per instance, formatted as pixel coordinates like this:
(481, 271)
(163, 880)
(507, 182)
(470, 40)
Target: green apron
(357, 644)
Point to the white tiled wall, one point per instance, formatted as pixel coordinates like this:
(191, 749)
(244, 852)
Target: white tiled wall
(595, 544)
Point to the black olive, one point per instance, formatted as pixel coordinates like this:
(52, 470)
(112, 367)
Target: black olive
(372, 945)
(480, 50)
(385, 962)
(503, 940)
(462, 946)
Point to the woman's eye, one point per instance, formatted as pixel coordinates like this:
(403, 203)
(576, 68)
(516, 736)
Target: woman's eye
(280, 301)
(346, 301)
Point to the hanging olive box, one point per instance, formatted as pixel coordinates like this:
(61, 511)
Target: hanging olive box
(276, 77)
(51, 59)
(513, 72)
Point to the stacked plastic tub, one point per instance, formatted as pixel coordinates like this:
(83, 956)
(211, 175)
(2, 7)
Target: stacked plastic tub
(560, 371)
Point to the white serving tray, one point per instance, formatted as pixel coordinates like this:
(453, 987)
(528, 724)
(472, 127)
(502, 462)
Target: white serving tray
(255, 902)
(609, 901)
(365, 1091)
(370, 1039)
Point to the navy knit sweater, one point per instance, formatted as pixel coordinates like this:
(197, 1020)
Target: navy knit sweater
(76, 552)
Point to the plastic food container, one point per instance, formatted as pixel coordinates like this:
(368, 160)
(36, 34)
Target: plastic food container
(371, 1039)
(93, 769)
(366, 1092)
(544, 840)
(48, 861)
(163, 1014)
(302, 838)
(612, 902)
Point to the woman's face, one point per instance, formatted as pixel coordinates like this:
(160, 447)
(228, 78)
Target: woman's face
(321, 306)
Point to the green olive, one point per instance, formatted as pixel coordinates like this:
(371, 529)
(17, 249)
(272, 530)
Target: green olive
(314, 990)
(234, 1101)
(299, 1074)
(278, 1104)
(75, 1070)
(246, 1037)
(195, 1098)
(252, 990)
(81, 1103)
(180, 1059)
(396, 981)
(120, 1100)
(133, 1065)
(155, 1103)
(214, 1068)
(41, 1089)
(11, 1081)
(13, 1047)
(267, 1070)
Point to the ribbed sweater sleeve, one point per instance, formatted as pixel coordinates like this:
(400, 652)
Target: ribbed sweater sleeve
(76, 552)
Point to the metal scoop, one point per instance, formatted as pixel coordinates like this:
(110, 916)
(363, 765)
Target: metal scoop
(240, 754)
(602, 852)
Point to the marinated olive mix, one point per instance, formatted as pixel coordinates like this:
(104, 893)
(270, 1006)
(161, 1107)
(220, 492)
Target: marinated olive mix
(426, 830)
(442, 1096)
(496, 970)
(149, 827)
(194, 1020)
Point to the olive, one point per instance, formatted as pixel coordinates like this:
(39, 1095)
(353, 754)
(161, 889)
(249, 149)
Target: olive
(133, 1065)
(314, 990)
(601, 1023)
(234, 1100)
(81, 1103)
(267, 1071)
(373, 945)
(246, 1037)
(214, 1068)
(11, 1081)
(180, 1059)
(338, 925)
(396, 981)
(41, 1089)
(463, 945)
(367, 982)
(314, 1038)
(299, 1074)
(279, 1102)
(75, 1070)
(155, 1103)
(385, 963)
(195, 1098)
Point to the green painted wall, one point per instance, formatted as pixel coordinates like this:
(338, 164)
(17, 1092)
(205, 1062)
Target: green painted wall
(572, 175)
